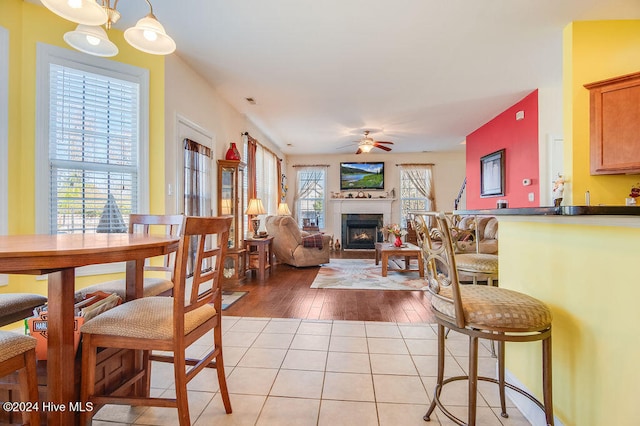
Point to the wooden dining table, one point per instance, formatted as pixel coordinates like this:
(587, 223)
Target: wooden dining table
(58, 256)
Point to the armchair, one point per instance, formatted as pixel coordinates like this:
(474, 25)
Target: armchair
(289, 243)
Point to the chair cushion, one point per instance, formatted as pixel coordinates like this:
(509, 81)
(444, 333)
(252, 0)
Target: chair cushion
(12, 344)
(152, 287)
(495, 308)
(145, 318)
(477, 262)
(11, 303)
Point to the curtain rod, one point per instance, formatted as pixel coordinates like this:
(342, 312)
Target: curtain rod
(310, 165)
(262, 145)
(416, 164)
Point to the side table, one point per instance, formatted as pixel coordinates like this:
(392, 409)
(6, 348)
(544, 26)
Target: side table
(259, 255)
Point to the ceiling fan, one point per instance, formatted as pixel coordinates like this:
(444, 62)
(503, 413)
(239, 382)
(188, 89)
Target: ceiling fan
(366, 144)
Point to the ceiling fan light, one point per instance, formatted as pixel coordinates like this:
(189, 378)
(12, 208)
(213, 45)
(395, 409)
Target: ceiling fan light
(366, 148)
(92, 40)
(149, 36)
(86, 12)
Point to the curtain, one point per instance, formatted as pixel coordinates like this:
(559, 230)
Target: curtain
(422, 179)
(252, 147)
(281, 178)
(197, 187)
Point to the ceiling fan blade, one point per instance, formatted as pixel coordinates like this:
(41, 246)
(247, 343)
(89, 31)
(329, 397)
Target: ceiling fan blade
(390, 143)
(386, 148)
(359, 151)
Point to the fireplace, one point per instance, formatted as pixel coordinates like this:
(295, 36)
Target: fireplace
(361, 231)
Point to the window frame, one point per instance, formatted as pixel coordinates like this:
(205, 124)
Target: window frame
(402, 199)
(298, 209)
(4, 138)
(47, 55)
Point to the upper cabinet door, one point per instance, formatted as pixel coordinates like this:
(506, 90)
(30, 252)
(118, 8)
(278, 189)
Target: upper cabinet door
(615, 125)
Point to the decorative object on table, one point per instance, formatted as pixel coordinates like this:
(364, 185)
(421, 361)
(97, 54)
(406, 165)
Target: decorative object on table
(395, 230)
(233, 153)
(337, 245)
(254, 209)
(633, 195)
(558, 190)
(283, 209)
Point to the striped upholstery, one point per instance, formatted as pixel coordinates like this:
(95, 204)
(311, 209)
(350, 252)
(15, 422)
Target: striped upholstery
(12, 344)
(152, 286)
(145, 318)
(495, 308)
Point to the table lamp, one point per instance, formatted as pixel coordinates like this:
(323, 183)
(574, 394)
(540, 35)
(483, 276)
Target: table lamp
(254, 209)
(283, 209)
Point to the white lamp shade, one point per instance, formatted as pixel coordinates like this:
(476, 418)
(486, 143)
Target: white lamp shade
(366, 148)
(86, 12)
(255, 207)
(149, 36)
(283, 209)
(92, 40)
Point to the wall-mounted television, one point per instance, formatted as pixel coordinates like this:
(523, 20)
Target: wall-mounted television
(358, 175)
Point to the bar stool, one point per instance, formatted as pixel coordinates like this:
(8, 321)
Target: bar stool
(487, 312)
(18, 353)
(17, 306)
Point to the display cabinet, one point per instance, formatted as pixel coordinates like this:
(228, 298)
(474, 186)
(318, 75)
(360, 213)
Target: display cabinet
(230, 202)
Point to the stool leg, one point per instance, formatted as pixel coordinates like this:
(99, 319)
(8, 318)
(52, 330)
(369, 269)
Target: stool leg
(503, 405)
(546, 380)
(440, 378)
(473, 379)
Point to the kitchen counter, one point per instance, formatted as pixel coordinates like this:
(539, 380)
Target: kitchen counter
(557, 211)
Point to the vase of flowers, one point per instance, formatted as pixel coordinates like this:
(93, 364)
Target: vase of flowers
(396, 231)
(633, 196)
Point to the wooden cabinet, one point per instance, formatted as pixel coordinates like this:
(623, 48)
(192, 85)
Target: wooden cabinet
(230, 203)
(615, 125)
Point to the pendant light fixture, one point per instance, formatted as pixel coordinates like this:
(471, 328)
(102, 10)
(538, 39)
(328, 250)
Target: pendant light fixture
(148, 35)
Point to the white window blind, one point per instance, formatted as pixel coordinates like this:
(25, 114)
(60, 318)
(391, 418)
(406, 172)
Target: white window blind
(93, 151)
(310, 196)
(267, 185)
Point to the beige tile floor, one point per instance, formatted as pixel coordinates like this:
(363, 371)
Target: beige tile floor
(302, 372)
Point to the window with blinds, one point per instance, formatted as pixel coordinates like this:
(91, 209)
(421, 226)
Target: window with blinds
(311, 186)
(93, 151)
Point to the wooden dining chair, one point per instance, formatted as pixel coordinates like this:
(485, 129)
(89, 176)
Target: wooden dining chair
(18, 353)
(486, 312)
(17, 306)
(167, 324)
(169, 225)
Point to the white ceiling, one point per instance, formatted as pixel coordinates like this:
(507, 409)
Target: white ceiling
(422, 73)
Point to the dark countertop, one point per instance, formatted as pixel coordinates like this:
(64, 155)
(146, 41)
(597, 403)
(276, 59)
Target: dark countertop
(557, 211)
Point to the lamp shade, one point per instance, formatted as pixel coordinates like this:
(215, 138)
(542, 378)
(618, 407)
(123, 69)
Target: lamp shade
(255, 207)
(92, 40)
(149, 36)
(86, 12)
(283, 209)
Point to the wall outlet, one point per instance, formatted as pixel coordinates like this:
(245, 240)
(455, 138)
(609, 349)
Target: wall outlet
(532, 196)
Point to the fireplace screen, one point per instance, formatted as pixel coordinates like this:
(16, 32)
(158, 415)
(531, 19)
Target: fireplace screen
(361, 231)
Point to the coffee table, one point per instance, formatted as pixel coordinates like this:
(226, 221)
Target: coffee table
(408, 251)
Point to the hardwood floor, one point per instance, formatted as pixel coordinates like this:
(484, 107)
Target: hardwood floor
(286, 293)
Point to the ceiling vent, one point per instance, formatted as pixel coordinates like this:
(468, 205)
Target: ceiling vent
(251, 101)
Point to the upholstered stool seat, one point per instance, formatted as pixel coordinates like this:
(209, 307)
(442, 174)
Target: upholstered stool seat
(480, 266)
(493, 308)
(18, 353)
(496, 314)
(17, 306)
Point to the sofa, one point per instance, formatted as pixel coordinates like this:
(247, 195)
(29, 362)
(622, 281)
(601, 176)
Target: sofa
(295, 247)
(467, 240)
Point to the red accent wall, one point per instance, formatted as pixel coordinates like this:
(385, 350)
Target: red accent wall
(519, 139)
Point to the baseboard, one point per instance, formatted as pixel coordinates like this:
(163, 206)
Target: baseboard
(527, 407)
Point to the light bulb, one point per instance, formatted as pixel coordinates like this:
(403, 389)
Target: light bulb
(75, 4)
(94, 41)
(150, 35)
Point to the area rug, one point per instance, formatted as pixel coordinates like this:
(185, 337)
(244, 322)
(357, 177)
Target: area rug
(364, 274)
(231, 297)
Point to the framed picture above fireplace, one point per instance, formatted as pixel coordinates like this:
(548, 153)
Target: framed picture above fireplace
(359, 175)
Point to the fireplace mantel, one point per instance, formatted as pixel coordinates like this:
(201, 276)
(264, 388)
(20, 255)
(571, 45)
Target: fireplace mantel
(341, 206)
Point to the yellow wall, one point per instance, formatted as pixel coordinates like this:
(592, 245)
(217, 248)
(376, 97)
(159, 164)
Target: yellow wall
(29, 24)
(586, 273)
(588, 277)
(594, 51)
